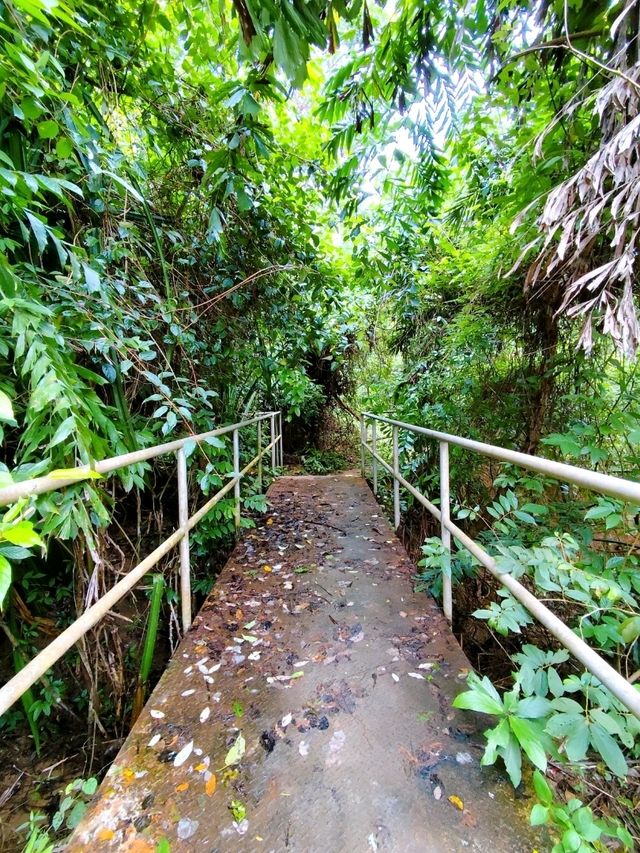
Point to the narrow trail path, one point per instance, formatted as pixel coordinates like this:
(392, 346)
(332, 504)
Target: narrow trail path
(325, 683)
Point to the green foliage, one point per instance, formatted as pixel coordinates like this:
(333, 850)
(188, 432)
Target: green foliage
(323, 461)
(578, 829)
(71, 808)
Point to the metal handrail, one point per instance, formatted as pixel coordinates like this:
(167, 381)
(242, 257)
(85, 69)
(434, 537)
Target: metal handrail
(614, 486)
(43, 661)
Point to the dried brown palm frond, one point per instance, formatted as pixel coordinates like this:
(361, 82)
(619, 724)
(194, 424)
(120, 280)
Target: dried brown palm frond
(590, 224)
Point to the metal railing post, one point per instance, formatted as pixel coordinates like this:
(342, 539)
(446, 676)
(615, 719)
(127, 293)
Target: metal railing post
(259, 442)
(445, 533)
(396, 482)
(363, 439)
(374, 461)
(273, 442)
(183, 518)
(280, 447)
(236, 474)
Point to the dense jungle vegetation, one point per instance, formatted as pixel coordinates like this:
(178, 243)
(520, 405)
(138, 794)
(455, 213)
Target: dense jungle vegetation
(425, 208)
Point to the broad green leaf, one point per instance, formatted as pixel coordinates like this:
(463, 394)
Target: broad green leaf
(533, 707)
(39, 230)
(48, 129)
(630, 629)
(215, 441)
(21, 534)
(6, 408)
(539, 815)
(475, 700)
(235, 754)
(611, 753)
(542, 789)
(5, 579)
(529, 740)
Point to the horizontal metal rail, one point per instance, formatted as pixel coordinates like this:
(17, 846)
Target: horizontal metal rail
(617, 487)
(52, 482)
(594, 663)
(39, 665)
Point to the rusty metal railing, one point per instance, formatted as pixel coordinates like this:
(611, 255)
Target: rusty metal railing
(616, 487)
(39, 665)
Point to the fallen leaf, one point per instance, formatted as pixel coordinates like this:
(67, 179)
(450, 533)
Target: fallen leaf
(105, 834)
(267, 569)
(234, 756)
(210, 785)
(128, 775)
(269, 522)
(182, 787)
(182, 756)
(457, 802)
(140, 845)
(200, 768)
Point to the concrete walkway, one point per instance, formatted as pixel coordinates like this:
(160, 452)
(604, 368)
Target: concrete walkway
(309, 708)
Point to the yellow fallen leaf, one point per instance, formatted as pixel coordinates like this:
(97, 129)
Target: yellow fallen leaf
(128, 775)
(200, 768)
(182, 787)
(267, 569)
(105, 834)
(457, 802)
(210, 787)
(269, 522)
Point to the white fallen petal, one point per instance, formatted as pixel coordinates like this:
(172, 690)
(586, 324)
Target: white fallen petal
(182, 756)
(157, 715)
(154, 740)
(395, 677)
(286, 720)
(204, 714)
(416, 675)
(303, 748)
(188, 692)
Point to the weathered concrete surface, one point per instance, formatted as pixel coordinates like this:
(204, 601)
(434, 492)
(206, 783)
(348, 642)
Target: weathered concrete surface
(339, 677)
